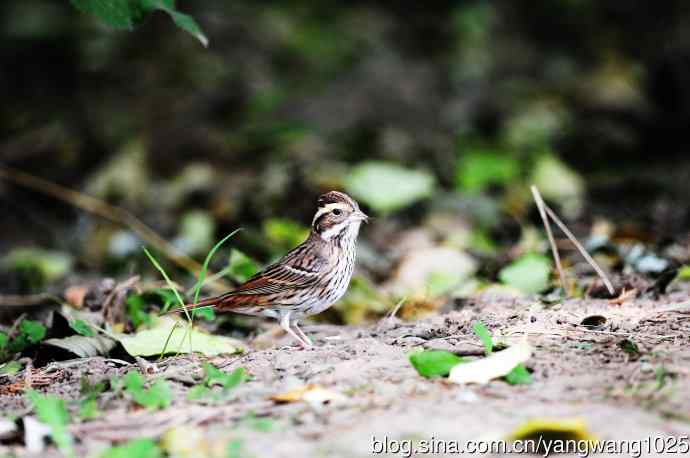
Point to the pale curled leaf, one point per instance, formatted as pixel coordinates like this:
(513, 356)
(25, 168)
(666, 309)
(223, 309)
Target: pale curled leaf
(151, 341)
(83, 346)
(494, 366)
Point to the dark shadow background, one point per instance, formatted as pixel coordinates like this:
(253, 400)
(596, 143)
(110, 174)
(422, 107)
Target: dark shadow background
(289, 95)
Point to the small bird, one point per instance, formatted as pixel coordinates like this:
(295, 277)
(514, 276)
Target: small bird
(309, 278)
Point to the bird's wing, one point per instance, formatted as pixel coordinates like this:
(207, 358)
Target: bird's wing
(279, 277)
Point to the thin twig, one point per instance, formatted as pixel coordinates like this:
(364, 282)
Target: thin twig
(11, 300)
(552, 242)
(582, 250)
(112, 213)
(564, 333)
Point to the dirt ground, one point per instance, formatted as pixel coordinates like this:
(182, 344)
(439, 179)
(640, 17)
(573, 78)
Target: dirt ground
(578, 373)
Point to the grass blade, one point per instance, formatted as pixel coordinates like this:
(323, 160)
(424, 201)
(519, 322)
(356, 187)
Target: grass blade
(204, 267)
(171, 285)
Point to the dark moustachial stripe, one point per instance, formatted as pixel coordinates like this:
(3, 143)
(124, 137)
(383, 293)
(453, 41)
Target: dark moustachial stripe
(318, 224)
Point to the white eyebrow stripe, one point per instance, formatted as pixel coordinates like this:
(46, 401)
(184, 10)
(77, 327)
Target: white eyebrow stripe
(327, 208)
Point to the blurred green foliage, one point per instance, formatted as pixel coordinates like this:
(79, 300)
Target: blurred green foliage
(387, 187)
(530, 273)
(127, 14)
(452, 108)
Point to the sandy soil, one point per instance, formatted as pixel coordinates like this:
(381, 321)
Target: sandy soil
(578, 373)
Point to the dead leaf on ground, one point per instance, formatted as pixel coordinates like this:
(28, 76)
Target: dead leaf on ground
(313, 395)
(624, 296)
(494, 366)
(549, 431)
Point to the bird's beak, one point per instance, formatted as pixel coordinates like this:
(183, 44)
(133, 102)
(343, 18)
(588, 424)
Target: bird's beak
(360, 216)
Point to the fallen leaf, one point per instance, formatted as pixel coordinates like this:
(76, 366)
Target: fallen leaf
(187, 442)
(150, 342)
(552, 431)
(624, 296)
(83, 346)
(311, 394)
(494, 366)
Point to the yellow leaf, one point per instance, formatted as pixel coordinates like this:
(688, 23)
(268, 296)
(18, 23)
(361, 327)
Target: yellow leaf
(554, 429)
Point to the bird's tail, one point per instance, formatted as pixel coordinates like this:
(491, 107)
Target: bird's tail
(204, 303)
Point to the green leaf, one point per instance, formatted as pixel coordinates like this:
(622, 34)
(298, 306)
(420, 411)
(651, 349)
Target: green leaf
(434, 363)
(683, 273)
(33, 330)
(241, 267)
(149, 342)
(51, 410)
(165, 297)
(227, 381)
(90, 390)
(10, 368)
(138, 448)
(387, 187)
(629, 347)
(88, 410)
(284, 233)
(529, 273)
(519, 376)
(4, 340)
(484, 335)
(133, 381)
(481, 168)
(198, 392)
(234, 449)
(188, 24)
(120, 14)
(261, 424)
(157, 396)
(82, 328)
(205, 313)
(135, 310)
(126, 14)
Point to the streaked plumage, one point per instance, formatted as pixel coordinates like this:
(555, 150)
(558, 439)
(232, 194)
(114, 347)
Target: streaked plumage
(308, 279)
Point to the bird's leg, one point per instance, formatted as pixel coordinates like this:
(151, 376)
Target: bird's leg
(285, 324)
(301, 333)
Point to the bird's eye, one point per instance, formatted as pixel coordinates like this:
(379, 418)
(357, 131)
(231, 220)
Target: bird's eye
(337, 211)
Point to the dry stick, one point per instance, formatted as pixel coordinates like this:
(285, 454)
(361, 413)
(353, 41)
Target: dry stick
(581, 249)
(112, 213)
(552, 242)
(551, 214)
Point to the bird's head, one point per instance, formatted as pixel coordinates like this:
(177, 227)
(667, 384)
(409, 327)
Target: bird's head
(337, 217)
